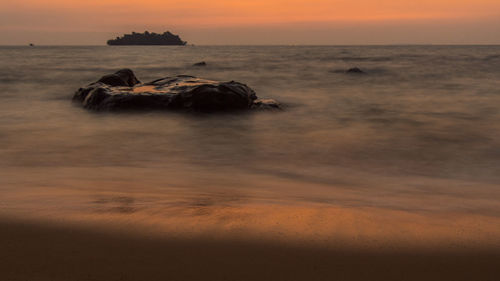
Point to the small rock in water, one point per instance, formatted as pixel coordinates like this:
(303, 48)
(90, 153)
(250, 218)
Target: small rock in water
(266, 104)
(122, 90)
(355, 70)
(202, 63)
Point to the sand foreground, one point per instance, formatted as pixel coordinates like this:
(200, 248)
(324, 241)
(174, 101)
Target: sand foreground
(255, 243)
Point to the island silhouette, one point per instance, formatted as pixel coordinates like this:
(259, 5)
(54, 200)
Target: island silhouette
(148, 38)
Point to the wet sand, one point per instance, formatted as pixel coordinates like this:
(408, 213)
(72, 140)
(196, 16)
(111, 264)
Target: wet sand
(270, 243)
(67, 227)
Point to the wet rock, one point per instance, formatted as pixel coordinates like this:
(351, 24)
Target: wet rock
(202, 63)
(123, 77)
(122, 91)
(355, 70)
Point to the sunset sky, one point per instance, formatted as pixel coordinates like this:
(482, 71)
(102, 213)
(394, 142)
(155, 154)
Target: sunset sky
(254, 22)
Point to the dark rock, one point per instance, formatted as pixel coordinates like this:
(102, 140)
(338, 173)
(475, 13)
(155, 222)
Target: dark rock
(123, 77)
(355, 70)
(122, 90)
(202, 63)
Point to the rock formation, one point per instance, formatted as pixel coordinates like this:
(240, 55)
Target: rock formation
(123, 91)
(355, 70)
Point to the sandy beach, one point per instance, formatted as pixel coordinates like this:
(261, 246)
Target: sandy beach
(79, 232)
(264, 243)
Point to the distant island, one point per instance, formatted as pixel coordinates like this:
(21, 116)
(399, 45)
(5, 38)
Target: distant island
(147, 38)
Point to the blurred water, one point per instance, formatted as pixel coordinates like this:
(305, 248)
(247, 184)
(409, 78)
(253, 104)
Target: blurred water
(419, 131)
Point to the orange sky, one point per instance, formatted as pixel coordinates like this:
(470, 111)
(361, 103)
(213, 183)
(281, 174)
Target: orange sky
(157, 15)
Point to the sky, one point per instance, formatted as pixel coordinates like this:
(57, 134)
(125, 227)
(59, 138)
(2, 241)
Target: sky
(221, 22)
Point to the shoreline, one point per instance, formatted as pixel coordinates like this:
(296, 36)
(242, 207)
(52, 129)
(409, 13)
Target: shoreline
(48, 251)
(314, 225)
(250, 242)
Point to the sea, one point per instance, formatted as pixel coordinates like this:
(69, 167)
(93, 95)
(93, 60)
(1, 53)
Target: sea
(418, 132)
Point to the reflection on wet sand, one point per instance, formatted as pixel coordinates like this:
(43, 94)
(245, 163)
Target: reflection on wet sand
(33, 251)
(320, 215)
(126, 223)
(221, 237)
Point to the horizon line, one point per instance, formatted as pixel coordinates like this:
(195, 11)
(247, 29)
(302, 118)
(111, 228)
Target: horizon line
(251, 45)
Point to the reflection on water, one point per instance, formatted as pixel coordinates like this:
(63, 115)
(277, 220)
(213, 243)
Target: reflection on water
(419, 132)
(119, 204)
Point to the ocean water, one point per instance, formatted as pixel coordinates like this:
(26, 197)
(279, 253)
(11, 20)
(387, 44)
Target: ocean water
(419, 132)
